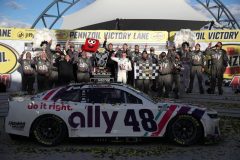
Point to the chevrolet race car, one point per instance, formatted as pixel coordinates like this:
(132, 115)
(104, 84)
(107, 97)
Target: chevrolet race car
(106, 110)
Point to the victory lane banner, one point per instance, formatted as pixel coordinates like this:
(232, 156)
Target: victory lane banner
(214, 35)
(113, 36)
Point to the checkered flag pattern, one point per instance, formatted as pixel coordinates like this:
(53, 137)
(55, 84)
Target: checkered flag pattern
(145, 71)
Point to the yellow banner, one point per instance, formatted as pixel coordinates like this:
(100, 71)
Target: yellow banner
(16, 34)
(113, 36)
(214, 35)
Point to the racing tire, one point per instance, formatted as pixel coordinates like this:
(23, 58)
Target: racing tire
(49, 130)
(185, 130)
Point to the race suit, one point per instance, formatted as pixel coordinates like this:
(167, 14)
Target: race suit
(124, 65)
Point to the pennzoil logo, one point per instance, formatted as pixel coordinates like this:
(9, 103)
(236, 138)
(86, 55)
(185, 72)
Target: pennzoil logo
(20, 35)
(8, 59)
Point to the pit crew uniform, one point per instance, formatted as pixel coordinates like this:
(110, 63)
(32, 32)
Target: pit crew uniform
(197, 64)
(28, 76)
(165, 77)
(84, 68)
(43, 69)
(124, 65)
(185, 58)
(219, 62)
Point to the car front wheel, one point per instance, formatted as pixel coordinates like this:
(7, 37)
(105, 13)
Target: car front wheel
(185, 130)
(49, 130)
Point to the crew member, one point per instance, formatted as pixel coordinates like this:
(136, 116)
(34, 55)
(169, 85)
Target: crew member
(84, 68)
(176, 75)
(73, 54)
(53, 77)
(112, 65)
(43, 69)
(165, 75)
(143, 84)
(65, 70)
(185, 58)
(28, 76)
(154, 59)
(219, 62)
(134, 57)
(197, 67)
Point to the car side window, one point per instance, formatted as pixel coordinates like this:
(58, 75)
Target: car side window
(104, 95)
(72, 95)
(131, 99)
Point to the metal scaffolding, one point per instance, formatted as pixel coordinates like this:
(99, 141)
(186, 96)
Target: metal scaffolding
(54, 17)
(215, 7)
(220, 13)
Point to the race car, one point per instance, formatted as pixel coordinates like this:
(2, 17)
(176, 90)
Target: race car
(107, 110)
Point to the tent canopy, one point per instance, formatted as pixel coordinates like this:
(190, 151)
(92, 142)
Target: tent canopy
(101, 13)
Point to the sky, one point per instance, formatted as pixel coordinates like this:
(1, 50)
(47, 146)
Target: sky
(23, 13)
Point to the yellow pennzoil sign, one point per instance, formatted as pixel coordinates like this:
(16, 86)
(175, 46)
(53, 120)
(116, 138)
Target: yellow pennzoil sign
(214, 35)
(16, 34)
(8, 59)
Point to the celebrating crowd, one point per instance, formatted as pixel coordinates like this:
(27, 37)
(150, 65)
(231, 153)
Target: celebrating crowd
(176, 67)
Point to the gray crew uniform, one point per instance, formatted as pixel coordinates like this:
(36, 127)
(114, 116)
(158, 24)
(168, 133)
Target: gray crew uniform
(219, 62)
(165, 77)
(197, 64)
(185, 58)
(28, 76)
(42, 68)
(84, 68)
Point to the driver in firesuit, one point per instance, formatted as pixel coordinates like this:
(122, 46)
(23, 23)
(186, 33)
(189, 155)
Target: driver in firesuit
(124, 65)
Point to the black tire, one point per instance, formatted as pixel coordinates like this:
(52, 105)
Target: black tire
(49, 130)
(185, 130)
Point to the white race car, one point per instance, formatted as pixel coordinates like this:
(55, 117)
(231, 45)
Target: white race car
(107, 110)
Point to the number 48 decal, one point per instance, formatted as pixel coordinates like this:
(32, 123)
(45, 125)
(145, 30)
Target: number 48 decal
(147, 120)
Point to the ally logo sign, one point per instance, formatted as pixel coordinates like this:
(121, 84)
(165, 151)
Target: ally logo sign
(8, 59)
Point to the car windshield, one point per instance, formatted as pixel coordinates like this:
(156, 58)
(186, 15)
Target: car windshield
(143, 94)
